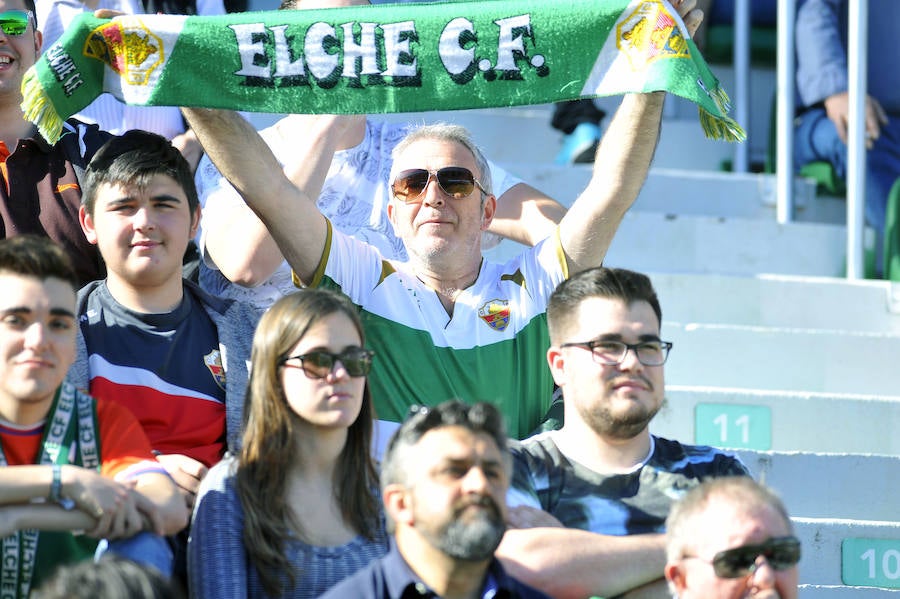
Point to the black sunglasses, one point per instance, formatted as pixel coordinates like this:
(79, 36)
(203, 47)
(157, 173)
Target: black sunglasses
(317, 364)
(781, 553)
(455, 181)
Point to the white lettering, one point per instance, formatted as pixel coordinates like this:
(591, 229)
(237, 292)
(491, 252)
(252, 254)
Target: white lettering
(250, 51)
(508, 46)
(395, 48)
(456, 59)
(321, 63)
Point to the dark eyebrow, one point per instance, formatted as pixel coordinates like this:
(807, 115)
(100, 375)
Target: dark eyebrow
(164, 197)
(618, 337)
(27, 310)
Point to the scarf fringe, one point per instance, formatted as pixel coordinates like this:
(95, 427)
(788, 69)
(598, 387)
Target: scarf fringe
(717, 127)
(39, 109)
(721, 127)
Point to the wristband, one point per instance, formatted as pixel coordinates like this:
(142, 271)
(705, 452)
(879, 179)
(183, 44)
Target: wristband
(56, 489)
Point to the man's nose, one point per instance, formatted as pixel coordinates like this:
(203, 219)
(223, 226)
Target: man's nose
(475, 481)
(433, 195)
(763, 576)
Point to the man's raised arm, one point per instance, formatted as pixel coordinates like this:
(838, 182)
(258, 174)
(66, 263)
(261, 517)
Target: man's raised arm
(287, 209)
(620, 168)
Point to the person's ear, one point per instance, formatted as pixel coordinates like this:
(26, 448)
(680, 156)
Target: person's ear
(557, 363)
(675, 575)
(488, 211)
(398, 504)
(87, 225)
(38, 42)
(195, 221)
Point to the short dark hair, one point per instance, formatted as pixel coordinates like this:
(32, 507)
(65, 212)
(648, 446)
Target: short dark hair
(480, 417)
(34, 256)
(134, 158)
(612, 283)
(110, 577)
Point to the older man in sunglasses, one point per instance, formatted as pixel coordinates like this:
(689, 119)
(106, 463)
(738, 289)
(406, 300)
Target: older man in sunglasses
(40, 183)
(731, 538)
(445, 323)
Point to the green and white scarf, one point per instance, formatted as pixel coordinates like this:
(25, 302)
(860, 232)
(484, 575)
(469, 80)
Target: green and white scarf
(71, 423)
(377, 59)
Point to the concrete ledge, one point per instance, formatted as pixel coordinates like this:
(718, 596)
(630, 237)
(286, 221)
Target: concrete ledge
(655, 242)
(822, 538)
(814, 591)
(780, 301)
(800, 421)
(782, 359)
(817, 485)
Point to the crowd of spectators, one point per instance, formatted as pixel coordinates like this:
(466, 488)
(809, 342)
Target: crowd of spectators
(228, 437)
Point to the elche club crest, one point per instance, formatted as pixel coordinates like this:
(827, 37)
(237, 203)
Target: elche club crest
(213, 361)
(650, 33)
(128, 47)
(495, 313)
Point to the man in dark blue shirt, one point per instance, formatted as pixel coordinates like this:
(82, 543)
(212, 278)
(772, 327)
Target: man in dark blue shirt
(444, 479)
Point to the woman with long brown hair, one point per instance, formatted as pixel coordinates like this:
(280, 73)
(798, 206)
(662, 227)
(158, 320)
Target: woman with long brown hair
(298, 510)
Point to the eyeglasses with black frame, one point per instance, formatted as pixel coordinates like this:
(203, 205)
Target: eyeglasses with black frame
(456, 181)
(782, 553)
(318, 364)
(649, 353)
(15, 22)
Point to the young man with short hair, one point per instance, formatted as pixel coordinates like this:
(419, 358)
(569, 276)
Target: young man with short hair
(67, 462)
(148, 339)
(604, 472)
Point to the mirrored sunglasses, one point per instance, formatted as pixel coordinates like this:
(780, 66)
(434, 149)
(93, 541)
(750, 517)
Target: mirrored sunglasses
(318, 364)
(14, 22)
(456, 181)
(781, 553)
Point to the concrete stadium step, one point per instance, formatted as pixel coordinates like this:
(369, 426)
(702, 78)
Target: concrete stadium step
(815, 591)
(679, 191)
(849, 552)
(654, 242)
(780, 301)
(781, 420)
(856, 486)
(716, 355)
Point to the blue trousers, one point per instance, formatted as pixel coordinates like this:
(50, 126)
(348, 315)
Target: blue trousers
(145, 548)
(816, 139)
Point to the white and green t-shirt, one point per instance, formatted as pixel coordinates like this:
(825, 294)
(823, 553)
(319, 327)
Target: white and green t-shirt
(492, 348)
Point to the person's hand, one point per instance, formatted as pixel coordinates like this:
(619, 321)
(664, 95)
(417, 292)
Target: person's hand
(189, 146)
(92, 492)
(837, 107)
(187, 473)
(121, 523)
(524, 516)
(108, 13)
(690, 14)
